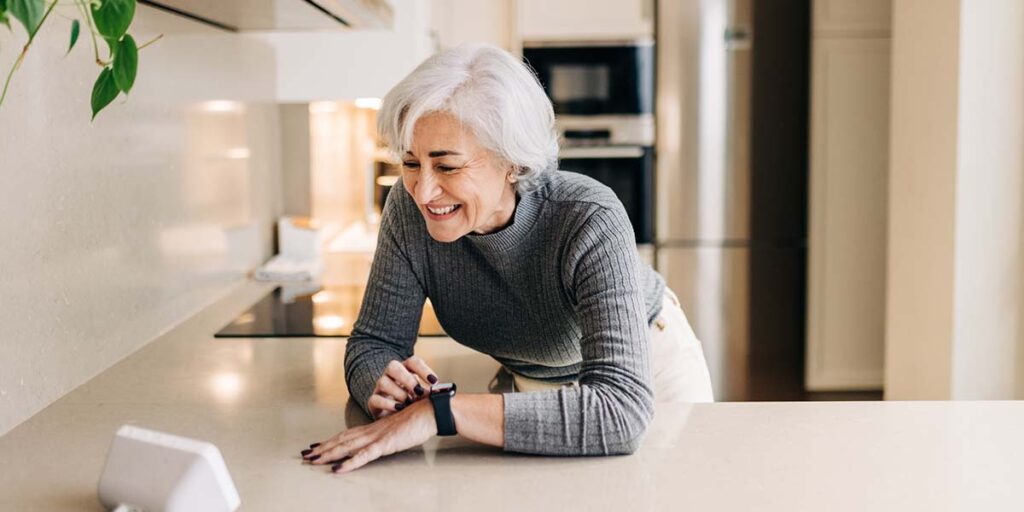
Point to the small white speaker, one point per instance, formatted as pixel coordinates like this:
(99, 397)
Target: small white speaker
(153, 471)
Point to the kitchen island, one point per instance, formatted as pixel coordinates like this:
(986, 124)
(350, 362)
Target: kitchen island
(262, 400)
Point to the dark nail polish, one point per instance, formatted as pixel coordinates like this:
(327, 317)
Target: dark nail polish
(432, 378)
(399, 407)
(336, 467)
(408, 401)
(315, 457)
(314, 445)
(306, 452)
(418, 389)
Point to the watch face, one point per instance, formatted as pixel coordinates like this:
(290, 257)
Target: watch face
(442, 388)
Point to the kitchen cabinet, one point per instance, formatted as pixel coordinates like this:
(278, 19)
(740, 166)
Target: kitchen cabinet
(584, 20)
(283, 14)
(454, 22)
(345, 65)
(852, 18)
(848, 195)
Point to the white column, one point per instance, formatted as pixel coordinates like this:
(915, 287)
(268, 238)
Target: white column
(990, 189)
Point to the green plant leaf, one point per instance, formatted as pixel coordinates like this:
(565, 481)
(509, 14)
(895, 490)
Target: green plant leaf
(113, 17)
(104, 91)
(112, 46)
(75, 28)
(3, 14)
(28, 12)
(126, 63)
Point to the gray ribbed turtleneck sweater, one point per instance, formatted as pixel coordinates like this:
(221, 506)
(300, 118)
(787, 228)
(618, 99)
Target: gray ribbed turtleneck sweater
(558, 295)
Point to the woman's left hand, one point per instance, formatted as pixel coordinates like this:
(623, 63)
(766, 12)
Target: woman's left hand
(353, 448)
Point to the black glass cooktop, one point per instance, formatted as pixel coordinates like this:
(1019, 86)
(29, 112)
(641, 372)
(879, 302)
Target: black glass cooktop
(297, 311)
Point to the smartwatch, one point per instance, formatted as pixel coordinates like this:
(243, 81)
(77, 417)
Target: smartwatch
(441, 396)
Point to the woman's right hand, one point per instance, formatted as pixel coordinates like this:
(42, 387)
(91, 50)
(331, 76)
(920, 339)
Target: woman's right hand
(401, 384)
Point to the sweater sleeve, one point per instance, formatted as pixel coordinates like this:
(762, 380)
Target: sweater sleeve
(389, 316)
(609, 411)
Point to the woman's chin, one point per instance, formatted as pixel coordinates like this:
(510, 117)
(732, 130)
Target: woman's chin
(445, 235)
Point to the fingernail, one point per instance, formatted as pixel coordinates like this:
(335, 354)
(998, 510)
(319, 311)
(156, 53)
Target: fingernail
(408, 401)
(399, 407)
(336, 467)
(314, 445)
(432, 378)
(418, 389)
(315, 457)
(306, 452)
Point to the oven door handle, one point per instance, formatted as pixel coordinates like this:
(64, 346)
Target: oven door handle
(601, 152)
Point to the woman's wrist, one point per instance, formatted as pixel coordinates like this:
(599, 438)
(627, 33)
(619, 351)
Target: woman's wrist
(424, 410)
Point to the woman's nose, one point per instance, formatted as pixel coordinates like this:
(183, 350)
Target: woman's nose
(426, 187)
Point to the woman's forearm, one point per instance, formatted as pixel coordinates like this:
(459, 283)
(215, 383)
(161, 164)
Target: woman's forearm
(480, 417)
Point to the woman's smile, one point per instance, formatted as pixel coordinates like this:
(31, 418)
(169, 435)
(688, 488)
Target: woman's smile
(440, 213)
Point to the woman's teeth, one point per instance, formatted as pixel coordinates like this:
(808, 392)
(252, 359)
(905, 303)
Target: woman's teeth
(444, 211)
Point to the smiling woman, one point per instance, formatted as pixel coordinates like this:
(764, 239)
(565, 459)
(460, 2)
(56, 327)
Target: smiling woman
(535, 267)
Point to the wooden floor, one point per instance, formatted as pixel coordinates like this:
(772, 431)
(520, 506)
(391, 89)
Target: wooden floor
(782, 380)
(836, 396)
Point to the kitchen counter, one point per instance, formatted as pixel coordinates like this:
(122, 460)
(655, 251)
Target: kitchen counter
(262, 400)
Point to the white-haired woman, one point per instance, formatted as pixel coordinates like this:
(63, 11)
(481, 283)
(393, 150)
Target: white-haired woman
(535, 267)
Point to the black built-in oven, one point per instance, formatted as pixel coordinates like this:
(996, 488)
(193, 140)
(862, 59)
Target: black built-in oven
(628, 171)
(588, 79)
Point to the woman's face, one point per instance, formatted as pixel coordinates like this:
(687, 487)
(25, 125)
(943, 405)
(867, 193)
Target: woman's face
(458, 185)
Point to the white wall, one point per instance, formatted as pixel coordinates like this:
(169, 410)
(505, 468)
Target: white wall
(114, 231)
(990, 190)
(955, 266)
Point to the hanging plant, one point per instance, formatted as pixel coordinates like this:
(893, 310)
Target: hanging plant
(108, 19)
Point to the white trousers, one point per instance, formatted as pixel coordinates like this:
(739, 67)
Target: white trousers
(679, 369)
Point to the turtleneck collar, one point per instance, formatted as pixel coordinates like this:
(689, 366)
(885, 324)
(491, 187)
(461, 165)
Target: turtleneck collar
(527, 211)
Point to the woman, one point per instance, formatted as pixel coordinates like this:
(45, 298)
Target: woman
(536, 267)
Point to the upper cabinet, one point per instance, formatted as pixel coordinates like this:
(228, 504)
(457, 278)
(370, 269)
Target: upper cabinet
(584, 20)
(284, 14)
(314, 65)
(454, 22)
(852, 18)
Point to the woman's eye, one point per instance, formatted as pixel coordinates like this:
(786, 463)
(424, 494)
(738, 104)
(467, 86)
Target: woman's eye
(444, 168)
(410, 165)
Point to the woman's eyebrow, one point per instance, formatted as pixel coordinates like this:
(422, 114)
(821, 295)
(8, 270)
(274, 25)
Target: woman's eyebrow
(436, 154)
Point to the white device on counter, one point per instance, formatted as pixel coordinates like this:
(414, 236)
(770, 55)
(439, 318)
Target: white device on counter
(153, 471)
(302, 238)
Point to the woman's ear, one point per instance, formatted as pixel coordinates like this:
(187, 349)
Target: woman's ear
(513, 174)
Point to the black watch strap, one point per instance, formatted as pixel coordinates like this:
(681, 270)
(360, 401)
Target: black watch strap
(441, 397)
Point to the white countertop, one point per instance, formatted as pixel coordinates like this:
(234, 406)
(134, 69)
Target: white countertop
(263, 400)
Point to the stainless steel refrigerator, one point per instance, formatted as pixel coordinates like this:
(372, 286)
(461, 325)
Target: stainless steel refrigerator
(703, 175)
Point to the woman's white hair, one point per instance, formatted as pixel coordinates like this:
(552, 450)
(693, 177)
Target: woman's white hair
(496, 95)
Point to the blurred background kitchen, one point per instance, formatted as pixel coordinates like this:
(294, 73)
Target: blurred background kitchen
(833, 187)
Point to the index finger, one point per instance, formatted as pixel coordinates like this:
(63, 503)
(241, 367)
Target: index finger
(418, 366)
